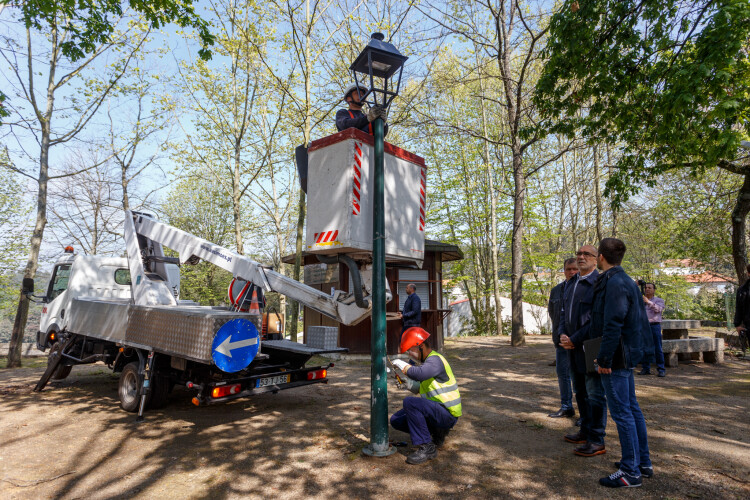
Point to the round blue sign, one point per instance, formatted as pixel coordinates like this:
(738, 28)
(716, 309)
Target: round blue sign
(235, 345)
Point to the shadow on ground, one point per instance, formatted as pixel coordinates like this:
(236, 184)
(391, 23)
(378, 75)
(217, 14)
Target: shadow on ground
(73, 441)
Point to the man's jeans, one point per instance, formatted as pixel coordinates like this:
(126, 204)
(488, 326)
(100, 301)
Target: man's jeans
(631, 426)
(597, 408)
(562, 364)
(656, 334)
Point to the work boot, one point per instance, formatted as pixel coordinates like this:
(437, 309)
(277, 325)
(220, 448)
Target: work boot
(422, 454)
(438, 437)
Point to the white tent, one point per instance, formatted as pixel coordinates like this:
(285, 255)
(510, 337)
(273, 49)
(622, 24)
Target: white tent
(458, 321)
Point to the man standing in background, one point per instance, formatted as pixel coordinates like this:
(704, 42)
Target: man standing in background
(570, 268)
(412, 312)
(654, 307)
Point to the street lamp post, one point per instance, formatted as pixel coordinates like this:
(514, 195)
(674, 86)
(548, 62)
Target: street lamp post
(375, 67)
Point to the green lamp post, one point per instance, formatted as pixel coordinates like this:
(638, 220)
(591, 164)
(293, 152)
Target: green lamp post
(378, 68)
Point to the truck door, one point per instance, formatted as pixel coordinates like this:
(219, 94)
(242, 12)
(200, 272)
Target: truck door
(53, 311)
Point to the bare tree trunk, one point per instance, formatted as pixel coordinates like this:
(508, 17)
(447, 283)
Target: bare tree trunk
(739, 221)
(598, 194)
(614, 211)
(236, 202)
(493, 210)
(519, 194)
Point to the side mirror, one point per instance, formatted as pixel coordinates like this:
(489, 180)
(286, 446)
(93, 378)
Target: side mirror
(27, 285)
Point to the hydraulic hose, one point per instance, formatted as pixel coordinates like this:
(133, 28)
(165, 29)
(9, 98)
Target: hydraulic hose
(353, 272)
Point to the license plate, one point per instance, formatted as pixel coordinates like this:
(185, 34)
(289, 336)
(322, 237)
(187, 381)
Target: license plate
(266, 381)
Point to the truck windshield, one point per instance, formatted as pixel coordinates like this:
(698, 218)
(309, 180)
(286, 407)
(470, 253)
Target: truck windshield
(59, 282)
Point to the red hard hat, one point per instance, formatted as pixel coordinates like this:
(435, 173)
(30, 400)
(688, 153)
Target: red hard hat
(413, 336)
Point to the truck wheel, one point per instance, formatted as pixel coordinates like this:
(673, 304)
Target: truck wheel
(130, 387)
(160, 387)
(62, 371)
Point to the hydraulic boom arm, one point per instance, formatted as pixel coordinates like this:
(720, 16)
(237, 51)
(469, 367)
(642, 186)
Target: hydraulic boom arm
(145, 236)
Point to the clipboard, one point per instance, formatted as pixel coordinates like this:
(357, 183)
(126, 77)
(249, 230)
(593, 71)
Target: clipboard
(591, 351)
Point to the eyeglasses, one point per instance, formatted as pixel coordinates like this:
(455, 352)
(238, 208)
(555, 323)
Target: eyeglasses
(587, 254)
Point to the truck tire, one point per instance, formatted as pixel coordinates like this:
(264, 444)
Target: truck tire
(62, 371)
(160, 386)
(129, 387)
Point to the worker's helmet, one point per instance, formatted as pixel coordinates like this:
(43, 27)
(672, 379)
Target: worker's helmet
(351, 88)
(413, 336)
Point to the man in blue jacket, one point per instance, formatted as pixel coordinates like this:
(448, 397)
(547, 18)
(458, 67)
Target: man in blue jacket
(619, 317)
(574, 330)
(412, 312)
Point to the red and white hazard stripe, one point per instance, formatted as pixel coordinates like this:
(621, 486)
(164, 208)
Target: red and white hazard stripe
(357, 184)
(422, 197)
(326, 236)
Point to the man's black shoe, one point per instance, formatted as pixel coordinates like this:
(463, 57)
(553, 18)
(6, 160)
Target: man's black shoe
(578, 422)
(662, 373)
(621, 480)
(554, 363)
(647, 472)
(577, 438)
(590, 450)
(422, 454)
(562, 413)
(644, 372)
(438, 437)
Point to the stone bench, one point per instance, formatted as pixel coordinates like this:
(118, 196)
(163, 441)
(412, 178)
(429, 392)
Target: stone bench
(698, 349)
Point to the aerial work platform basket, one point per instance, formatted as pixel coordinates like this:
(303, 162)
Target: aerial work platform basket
(340, 198)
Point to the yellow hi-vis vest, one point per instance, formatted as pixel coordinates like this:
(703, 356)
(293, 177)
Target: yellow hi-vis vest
(445, 393)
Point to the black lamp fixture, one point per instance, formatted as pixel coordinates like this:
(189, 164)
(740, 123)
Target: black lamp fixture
(378, 62)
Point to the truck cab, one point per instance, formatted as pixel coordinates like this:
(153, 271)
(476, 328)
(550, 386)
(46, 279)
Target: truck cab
(75, 276)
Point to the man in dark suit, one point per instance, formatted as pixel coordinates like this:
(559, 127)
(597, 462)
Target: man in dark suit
(412, 313)
(570, 268)
(574, 329)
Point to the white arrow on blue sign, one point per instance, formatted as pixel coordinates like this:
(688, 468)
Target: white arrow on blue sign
(235, 345)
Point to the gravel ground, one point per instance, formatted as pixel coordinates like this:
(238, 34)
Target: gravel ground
(73, 441)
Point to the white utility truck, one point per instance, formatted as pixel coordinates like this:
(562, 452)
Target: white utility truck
(126, 312)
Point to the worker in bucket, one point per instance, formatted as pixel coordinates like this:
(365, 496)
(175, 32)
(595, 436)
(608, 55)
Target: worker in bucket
(354, 117)
(430, 417)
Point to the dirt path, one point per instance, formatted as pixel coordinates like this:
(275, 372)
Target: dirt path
(73, 441)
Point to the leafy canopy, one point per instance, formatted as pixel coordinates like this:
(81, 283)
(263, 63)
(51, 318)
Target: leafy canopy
(668, 79)
(92, 25)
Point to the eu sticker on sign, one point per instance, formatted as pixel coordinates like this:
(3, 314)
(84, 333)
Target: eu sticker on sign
(235, 345)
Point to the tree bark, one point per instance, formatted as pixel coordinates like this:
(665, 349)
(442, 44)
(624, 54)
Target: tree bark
(739, 232)
(597, 194)
(519, 194)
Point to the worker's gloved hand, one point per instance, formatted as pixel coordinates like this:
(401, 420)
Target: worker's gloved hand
(401, 365)
(376, 112)
(373, 113)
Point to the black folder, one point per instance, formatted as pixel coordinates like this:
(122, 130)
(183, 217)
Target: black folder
(591, 351)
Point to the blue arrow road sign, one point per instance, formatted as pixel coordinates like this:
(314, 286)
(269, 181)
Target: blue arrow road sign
(235, 345)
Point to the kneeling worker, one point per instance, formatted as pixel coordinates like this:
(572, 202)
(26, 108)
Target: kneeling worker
(428, 418)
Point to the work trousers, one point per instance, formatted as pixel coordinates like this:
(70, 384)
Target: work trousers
(562, 365)
(619, 387)
(419, 417)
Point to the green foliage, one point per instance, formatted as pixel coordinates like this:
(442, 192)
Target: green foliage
(203, 209)
(666, 78)
(13, 237)
(88, 23)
